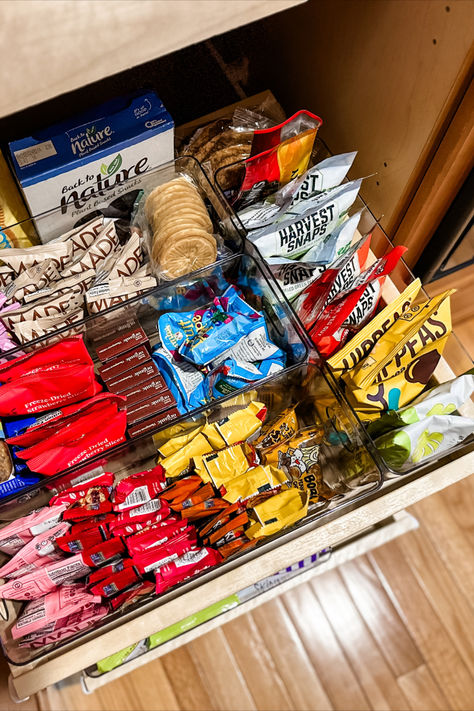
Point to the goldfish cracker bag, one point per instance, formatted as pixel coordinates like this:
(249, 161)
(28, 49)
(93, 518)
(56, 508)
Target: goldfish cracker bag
(402, 361)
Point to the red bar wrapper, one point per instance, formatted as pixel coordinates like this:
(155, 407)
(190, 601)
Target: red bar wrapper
(69, 351)
(156, 557)
(184, 567)
(116, 582)
(84, 447)
(51, 422)
(131, 528)
(107, 570)
(155, 508)
(16, 534)
(45, 579)
(132, 595)
(103, 552)
(102, 520)
(40, 392)
(94, 501)
(66, 627)
(116, 366)
(48, 610)
(154, 536)
(73, 495)
(40, 551)
(73, 543)
(139, 488)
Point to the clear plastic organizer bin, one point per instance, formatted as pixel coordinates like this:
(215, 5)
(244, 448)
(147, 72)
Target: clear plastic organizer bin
(454, 361)
(191, 293)
(347, 467)
(124, 205)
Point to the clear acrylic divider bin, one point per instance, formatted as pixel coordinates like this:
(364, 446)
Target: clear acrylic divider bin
(188, 294)
(455, 360)
(347, 465)
(122, 207)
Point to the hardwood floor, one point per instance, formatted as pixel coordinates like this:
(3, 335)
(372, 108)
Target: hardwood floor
(391, 630)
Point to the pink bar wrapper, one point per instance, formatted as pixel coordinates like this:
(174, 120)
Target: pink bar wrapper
(16, 534)
(44, 580)
(36, 553)
(66, 627)
(50, 609)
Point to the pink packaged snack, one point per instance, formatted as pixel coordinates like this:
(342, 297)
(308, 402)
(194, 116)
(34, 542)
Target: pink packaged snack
(39, 551)
(43, 580)
(44, 391)
(48, 610)
(137, 489)
(176, 546)
(152, 537)
(66, 626)
(158, 508)
(16, 534)
(154, 521)
(69, 351)
(184, 567)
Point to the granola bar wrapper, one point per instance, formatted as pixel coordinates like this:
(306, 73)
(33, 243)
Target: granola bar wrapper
(44, 580)
(253, 482)
(39, 550)
(299, 459)
(19, 260)
(137, 489)
(184, 567)
(156, 557)
(155, 536)
(116, 291)
(31, 280)
(402, 361)
(18, 533)
(66, 627)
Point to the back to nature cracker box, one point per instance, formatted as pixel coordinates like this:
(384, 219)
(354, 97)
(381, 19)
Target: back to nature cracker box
(81, 164)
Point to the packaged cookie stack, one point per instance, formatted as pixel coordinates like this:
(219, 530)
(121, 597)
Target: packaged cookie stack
(181, 232)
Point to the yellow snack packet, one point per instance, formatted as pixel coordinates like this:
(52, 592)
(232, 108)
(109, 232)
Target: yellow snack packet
(211, 434)
(180, 462)
(279, 429)
(402, 361)
(241, 424)
(360, 345)
(220, 467)
(252, 482)
(175, 443)
(278, 512)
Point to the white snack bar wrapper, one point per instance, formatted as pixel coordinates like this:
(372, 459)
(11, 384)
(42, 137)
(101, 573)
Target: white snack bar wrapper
(104, 244)
(335, 243)
(297, 234)
(128, 260)
(113, 292)
(32, 279)
(7, 275)
(82, 237)
(27, 331)
(21, 259)
(325, 175)
(78, 283)
(294, 277)
(46, 308)
(420, 441)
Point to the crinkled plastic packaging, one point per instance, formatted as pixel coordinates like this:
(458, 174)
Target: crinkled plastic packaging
(277, 430)
(204, 509)
(43, 580)
(35, 553)
(402, 360)
(219, 467)
(94, 256)
(116, 291)
(137, 489)
(27, 331)
(81, 238)
(115, 583)
(183, 488)
(202, 494)
(164, 553)
(278, 512)
(298, 457)
(69, 351)
(66, 626)
(31, 280)
(180, 462)
(242, 424)
(184, 567)
(154, 536)
(16, 534)
(103, 552)
(91, 502)
(155, 509)
(131, 595)
(106, 571)
(255, 481)
(19, 260)
(73, 543)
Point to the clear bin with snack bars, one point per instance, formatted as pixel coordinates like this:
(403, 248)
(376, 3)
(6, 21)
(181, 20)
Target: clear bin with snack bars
(347, 467)
(187, 295)
(112, 275)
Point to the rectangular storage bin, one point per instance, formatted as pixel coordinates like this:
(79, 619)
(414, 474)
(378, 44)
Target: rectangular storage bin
(347, 466)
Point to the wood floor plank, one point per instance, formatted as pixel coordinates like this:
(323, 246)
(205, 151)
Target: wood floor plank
(184, 677)
(460, 501)
(257, 666)
(284, 644)
(369, 665)
(6, 704)
(380, 616)
(442, 591)
(322, 647)
(422, 691)
(426, 628)
(218, 667)
(449, 540)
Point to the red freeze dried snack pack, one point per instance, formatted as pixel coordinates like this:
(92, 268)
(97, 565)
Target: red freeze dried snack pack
(69, 351)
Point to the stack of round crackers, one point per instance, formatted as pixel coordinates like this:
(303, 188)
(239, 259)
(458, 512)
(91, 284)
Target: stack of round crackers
(182, 238)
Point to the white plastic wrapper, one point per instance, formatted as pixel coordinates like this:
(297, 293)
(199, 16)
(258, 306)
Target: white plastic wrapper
(297, 234)
(294, 277)
(325, 175)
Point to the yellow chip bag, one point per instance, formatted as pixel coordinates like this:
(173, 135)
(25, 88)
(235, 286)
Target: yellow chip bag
(241, 424)
(360, 345)
(180, 462)
(175, 443)
(278, 512)
(220, 467)
(279, 429)
(402, 361)
(254, 481)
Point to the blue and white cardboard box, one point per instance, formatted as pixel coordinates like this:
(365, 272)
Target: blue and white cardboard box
(85, 163)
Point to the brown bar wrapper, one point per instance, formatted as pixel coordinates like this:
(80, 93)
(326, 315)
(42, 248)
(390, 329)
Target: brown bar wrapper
(142, 391)
(113, 292)
(151, 406)
(134, 377)
(46, 308)
(125, 342)
(79, 283)
(21, 259)
(32, 279)
(83, 237)
(153, 423)
(132, 359)
(93, 258)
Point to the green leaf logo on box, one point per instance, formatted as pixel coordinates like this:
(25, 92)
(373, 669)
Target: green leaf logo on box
(112, 167)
